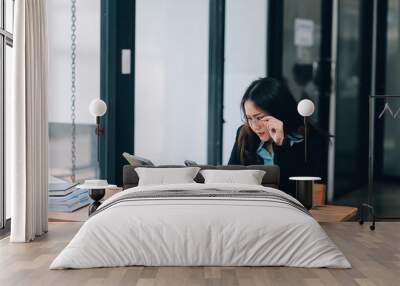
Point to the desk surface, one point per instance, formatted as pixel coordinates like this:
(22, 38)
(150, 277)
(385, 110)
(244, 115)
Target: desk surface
(332, 213)
(327, 213)
(81, 214)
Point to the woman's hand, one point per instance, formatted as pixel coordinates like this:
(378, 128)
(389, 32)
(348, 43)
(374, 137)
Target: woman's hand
(275, 129)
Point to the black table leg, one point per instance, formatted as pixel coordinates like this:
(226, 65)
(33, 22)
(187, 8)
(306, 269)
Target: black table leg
(96, 195)
(304, 193)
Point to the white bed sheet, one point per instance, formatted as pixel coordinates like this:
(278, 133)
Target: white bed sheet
(212, 231)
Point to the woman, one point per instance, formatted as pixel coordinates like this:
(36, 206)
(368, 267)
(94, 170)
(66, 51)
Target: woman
(273, 134)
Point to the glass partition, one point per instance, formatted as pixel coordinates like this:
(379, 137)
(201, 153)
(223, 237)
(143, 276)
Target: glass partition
(245, 60)
(60, 105)
(171, 80)
(387, 139)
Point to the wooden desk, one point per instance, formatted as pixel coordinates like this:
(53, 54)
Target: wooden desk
(332, 213)
(326, 213)
(78, 215)
(81, 214)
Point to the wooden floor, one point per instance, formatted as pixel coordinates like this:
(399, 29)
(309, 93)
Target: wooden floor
(375, 257)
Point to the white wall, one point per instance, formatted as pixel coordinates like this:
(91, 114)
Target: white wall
(171, 80)
(245, 59)
(88, 58)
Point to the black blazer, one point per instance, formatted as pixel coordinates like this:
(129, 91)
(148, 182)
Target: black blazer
(290, 160)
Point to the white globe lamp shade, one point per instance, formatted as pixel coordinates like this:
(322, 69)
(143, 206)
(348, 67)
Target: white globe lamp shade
(97, 107)
(305, 107)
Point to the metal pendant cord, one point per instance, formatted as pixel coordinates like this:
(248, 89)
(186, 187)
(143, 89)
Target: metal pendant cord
(73, 89)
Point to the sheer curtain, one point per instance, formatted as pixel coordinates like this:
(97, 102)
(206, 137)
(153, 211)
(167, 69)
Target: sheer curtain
(27, 121)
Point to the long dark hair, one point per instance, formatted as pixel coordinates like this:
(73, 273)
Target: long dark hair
(272, 96)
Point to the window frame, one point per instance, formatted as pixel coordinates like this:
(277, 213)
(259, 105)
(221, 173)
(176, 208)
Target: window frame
(6, 39)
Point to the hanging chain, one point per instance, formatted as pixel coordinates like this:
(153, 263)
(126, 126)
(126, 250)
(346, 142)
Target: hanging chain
(73, 89)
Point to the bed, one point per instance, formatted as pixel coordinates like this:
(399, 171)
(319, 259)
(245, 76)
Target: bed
(197, 224)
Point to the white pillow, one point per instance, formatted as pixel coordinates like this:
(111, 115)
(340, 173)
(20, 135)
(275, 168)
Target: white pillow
(164, 176)
(248, 177)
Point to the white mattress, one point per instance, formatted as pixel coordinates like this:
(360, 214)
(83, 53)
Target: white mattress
(200, 231)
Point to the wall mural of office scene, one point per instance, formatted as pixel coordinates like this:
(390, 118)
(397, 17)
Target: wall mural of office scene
(280, 102)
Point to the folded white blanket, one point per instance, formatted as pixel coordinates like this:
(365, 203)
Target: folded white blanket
(169, 229)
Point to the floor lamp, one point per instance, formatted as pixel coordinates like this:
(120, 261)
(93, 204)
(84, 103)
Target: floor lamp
(98, 108)
(304, 184)
(306, 109)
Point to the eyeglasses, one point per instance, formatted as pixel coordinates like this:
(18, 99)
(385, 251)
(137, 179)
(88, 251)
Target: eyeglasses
(253, 120)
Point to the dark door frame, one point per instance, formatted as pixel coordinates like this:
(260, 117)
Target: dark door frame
(380, 86)
(275, 38)
(216, 58)
(117, 89)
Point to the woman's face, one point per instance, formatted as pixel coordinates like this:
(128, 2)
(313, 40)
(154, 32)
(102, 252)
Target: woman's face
(255, 116)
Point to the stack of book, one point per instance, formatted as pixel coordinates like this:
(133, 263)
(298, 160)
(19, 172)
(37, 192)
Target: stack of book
(66, 197)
